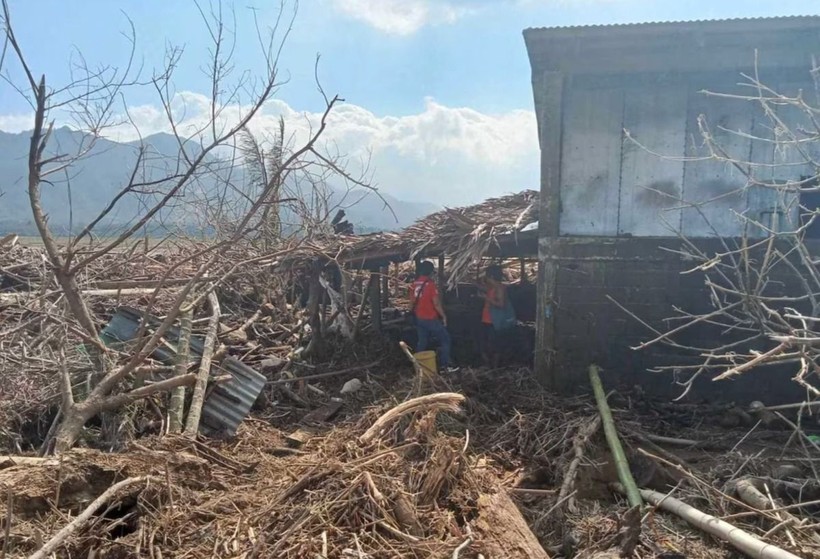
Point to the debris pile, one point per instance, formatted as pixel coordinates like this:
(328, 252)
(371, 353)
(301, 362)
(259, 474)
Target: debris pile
(351, 454)
(488, 465)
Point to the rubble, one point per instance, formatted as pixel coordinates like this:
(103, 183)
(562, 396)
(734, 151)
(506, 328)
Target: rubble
(485, 463)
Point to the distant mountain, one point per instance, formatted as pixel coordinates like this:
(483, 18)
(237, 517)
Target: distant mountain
(77, 197)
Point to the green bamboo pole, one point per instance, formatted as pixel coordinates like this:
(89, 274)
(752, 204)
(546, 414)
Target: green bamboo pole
(633, 495)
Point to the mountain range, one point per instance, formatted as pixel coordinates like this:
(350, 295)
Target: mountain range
(78, 194)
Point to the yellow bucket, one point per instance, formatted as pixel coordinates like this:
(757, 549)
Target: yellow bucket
(427, 362)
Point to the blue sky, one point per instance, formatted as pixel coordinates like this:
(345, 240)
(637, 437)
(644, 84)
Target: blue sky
(439, 89)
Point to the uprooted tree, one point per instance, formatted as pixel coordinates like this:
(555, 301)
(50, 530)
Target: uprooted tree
(241, 210)
(763, 285)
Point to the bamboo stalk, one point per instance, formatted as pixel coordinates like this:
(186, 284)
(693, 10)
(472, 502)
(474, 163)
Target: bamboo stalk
(741, 540)
(633, 495)
(198, 398)
(176, 409)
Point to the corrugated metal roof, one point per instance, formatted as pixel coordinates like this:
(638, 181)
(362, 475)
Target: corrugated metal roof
(125, 324)
(646, 24)
(227, 404)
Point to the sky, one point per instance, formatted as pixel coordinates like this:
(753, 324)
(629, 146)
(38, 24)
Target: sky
(438, 101)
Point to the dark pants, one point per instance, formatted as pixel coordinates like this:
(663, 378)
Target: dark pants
(488, 342)
(496, 345)
(427, 329)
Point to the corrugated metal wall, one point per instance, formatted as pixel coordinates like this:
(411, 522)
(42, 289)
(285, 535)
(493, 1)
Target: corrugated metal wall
(661, 183)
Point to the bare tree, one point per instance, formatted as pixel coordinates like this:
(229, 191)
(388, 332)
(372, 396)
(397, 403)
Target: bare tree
(764, 285)
(91, 100)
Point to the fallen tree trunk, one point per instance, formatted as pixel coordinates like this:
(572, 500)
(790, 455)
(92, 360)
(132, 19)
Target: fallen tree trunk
(8, 461)
(444, 401)
(741, 540)
(21, 298)
(504, 531)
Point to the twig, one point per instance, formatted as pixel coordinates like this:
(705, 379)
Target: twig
(326, 375)
(363, 307)
(798, 430)
(746, 436)
(464, 545)
(398, 533)
(168, 485)
(554, 507)
(671, 441)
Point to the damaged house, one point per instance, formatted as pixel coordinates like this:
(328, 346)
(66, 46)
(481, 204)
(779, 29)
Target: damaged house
(461, 241)
(626, 177)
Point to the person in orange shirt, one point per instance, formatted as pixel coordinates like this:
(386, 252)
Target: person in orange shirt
(430, 318)
(495, 296)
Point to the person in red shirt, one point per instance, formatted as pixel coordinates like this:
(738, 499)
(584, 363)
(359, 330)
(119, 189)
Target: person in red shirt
(495, 296)
(431, 320)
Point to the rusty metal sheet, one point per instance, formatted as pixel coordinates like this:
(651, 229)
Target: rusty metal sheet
(227, 404)
(124, 327)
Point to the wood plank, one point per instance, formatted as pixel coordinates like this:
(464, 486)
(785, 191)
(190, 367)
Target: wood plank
(302, 435)
(311, 424)
(324, 413)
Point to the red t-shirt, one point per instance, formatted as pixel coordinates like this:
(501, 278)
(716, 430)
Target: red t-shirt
(486, 315)
(424, 289)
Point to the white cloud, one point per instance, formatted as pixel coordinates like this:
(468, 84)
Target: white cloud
(442, 154)
(404, 17)
(16, 122)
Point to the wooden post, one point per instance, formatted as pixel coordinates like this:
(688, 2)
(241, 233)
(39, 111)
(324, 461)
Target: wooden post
(376, 301)
(549, 94)
(442, 286)
(357, 326)
(315, 296)
(385, 272)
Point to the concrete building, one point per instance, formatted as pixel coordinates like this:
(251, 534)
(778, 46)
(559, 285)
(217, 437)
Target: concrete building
(620, 110)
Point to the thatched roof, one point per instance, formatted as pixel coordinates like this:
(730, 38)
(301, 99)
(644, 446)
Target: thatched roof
(463, 234)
